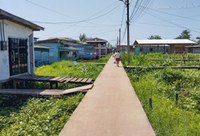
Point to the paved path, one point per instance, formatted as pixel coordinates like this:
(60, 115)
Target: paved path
(111, 108)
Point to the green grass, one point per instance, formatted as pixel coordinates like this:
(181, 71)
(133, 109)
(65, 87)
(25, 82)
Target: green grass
(167, 117)
(23, 116)
(87, 69)
(160, 59)
(35, 116)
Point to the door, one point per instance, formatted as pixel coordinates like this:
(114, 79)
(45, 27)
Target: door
(18, 56)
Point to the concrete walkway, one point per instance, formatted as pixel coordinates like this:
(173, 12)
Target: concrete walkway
(111, 108)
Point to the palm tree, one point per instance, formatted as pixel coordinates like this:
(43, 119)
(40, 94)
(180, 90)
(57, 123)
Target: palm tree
(83, 38)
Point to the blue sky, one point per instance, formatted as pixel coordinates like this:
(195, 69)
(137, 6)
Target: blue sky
(102, 18)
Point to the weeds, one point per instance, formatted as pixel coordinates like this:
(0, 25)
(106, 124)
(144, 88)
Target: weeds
(168, 117)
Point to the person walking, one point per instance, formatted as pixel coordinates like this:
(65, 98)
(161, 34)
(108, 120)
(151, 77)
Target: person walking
(117, 58)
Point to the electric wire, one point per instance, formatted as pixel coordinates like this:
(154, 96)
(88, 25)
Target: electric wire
(80, 21)
(159, 11)
(173, 23)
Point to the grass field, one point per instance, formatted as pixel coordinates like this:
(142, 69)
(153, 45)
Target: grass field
(168, 116)
(23, 115)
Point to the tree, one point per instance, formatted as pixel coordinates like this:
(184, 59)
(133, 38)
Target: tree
(155, 37)
(184, 35)
(83, 37)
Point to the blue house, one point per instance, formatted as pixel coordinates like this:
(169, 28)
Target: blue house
(58, 50)
(65, 49)
(41, 55)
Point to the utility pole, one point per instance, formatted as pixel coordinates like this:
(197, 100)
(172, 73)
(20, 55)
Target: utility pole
(127, 3)
(117, 41)
(120, 39)
(128, 33)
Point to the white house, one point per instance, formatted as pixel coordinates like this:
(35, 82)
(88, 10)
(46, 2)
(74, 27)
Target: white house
(16, 45)
(163, 45)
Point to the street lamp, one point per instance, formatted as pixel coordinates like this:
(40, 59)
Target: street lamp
(126, 2)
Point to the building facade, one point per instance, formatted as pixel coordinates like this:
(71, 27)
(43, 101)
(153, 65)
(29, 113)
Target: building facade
(193, 49)
(163, 45)
(59, 49)
(66, 49)
(16, 45)
(100, 46)
(123, 48)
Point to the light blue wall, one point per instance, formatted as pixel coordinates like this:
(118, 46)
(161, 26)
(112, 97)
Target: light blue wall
(41, 56)
(53, 51)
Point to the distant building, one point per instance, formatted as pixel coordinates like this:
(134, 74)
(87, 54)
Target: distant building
(165, 46)
(123, 47)
(85, 51)
(59, 49)
(16, 45)
(100, 46)
(193, 49)
(67, 49)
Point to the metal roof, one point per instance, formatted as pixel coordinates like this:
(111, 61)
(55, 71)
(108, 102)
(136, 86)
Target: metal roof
(58, 40)
(163, 41)
(18, 20)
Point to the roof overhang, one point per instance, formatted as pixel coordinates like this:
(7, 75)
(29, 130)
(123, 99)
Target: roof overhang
(41, 47)
(18, 20)
(195, 46)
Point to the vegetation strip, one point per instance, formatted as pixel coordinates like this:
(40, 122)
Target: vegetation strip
(25, 115)
(164, 67)
(170, 97)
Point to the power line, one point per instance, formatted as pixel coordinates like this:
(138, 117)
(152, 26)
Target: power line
(140, 23)
(92, 17)
(52, 10)
(179, 7)
(137, 11)
(124, 34)
(159, 11)
(99, 12)
(175, 24)
(122, 16)
(80, 21)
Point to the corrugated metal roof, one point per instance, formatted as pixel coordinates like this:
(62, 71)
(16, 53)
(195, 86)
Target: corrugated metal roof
(164, 41)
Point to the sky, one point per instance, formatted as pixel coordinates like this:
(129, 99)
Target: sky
(104, 18)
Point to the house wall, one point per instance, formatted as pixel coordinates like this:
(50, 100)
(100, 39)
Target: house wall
(178, 48)
(150, 49)
(53, 51)
(41, 56)
(196, 50)
(100, 48)
(12, 30)
(123, 48)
